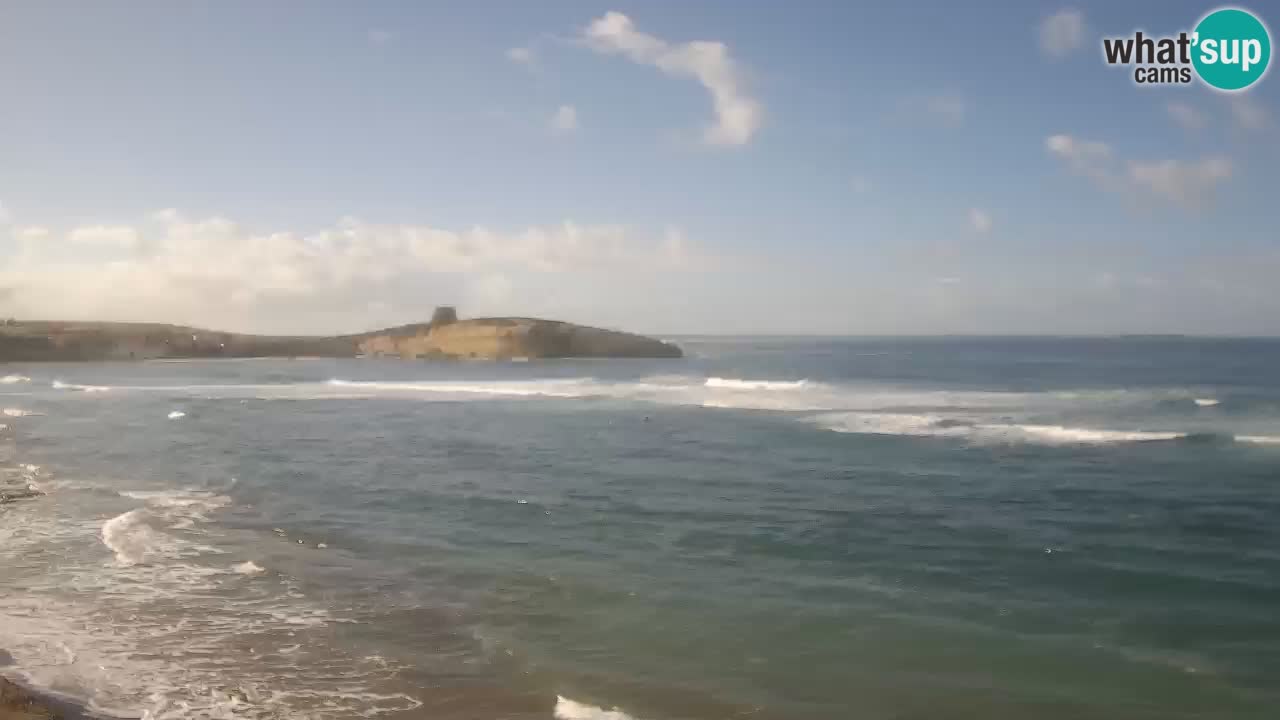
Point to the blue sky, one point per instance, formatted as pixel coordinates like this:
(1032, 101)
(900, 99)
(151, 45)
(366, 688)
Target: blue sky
(868, 168)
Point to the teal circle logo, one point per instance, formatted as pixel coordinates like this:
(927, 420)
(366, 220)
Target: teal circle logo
(1231, 49)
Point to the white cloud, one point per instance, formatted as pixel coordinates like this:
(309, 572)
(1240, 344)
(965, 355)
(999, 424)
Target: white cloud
(117, 236)
(1061, 33)
(380, 37)
(1085, 157)
(1247, 113)
(980, 221)
(1181, 182)
(1186, 116)
(521, 55)
(1184, 183)
(738, 116)
(215, 272)
(565, 119)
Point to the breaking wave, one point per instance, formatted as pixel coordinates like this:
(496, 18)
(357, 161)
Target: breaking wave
(934, 425)
(60, 385)
(14, 379)
(16, 412)
(738, 384)
(1259, 439)
(549, 388)
(248, 567)
(132, 540)
(567, 709)
(168, 631)
(1206, 402)
(937, 426)
(134, 537)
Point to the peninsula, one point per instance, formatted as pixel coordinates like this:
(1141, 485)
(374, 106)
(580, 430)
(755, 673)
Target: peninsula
(445, 337)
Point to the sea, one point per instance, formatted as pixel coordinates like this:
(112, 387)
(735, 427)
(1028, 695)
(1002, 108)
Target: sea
(770, 528)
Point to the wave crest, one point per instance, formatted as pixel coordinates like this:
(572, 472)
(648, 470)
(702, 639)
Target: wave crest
(740, 384)
(60, 385)
(132, 540)
(567, 709)
(938, 426)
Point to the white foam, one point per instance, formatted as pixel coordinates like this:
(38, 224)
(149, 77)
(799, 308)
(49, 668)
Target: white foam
(739, 384)
(131, 539)
(60, 385)
(567, 709)
(16, 412)
(1259, 439)
(175, 636)
(550, 388)
(1061, 435)
(248, 567)
(933, 425)
(1206, 402)
(174, 415)
(181, 499)
(890, 424)
(14, 379)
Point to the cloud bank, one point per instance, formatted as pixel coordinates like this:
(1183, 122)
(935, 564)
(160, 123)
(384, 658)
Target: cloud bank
(213, 271)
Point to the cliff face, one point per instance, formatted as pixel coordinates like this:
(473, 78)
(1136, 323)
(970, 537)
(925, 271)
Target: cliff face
(506, 338)
(444, 338)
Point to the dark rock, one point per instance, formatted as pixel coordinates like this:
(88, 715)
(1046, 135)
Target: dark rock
(14, 494)
(18, 703)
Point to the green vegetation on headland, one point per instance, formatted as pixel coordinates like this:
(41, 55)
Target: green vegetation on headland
(444, 337)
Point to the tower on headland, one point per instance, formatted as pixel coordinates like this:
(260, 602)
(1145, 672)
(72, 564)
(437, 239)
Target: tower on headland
(444, 315)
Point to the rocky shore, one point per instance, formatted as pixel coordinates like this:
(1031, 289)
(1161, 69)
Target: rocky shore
(19, 703)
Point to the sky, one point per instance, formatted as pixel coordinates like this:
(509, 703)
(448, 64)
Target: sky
(692, 167)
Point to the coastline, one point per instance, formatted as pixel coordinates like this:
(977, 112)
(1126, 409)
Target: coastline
(445, 337)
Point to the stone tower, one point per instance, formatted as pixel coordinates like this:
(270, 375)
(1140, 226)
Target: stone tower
(444, 315)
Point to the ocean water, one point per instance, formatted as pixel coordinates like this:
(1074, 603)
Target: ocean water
(791, 529)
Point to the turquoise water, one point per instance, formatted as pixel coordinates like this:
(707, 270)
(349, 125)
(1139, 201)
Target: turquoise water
(872, 528)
